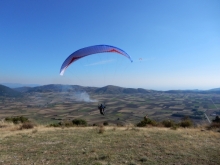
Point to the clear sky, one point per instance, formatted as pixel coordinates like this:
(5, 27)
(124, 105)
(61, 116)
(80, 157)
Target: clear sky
(175, 44)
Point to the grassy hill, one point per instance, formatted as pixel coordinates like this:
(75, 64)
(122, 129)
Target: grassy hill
(109, 145)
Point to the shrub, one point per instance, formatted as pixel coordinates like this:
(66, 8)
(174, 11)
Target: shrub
(146, 122)
(174, 127)
(186, 122)
(66, 123)
(55, 125)
(17, 119)
(216, 120)
(214, 125)
(27, 125)
(168, 123)
(79, 122)
(105, 123)
(144, 159)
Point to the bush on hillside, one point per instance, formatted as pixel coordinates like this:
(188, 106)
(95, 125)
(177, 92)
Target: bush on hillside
(216, 120)
(55, 125)
(186, 122)
(168, 123)
(27, 125)
(67, 123)
(17, 119)
(64, 123)
(105, 123)
(79, 122)
(146, 122)
(215, 123)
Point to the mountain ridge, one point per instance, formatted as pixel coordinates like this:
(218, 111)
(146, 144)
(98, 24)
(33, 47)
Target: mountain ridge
(109, 89)
(8, 92)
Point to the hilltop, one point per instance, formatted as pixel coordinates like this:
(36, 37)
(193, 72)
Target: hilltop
(109, 145)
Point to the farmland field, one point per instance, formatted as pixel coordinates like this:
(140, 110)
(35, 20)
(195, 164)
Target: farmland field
(48, 107)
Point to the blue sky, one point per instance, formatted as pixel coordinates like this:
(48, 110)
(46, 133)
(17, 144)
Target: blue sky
(178, 42)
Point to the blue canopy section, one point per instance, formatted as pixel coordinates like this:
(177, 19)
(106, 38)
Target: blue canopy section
(89, 51)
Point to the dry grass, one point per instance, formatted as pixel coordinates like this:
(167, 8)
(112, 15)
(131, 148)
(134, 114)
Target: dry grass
(8, 126)
(101, 129)
(117, 145)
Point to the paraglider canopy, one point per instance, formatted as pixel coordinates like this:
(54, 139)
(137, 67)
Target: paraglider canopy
(89, 51)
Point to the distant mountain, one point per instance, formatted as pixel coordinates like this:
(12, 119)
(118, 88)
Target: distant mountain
(49, 88)
(8, 92)
(17, 85)
(59, 88)
(182, 91)
(211, 91)
(110, 89)
(215, 89)
(22, 89)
